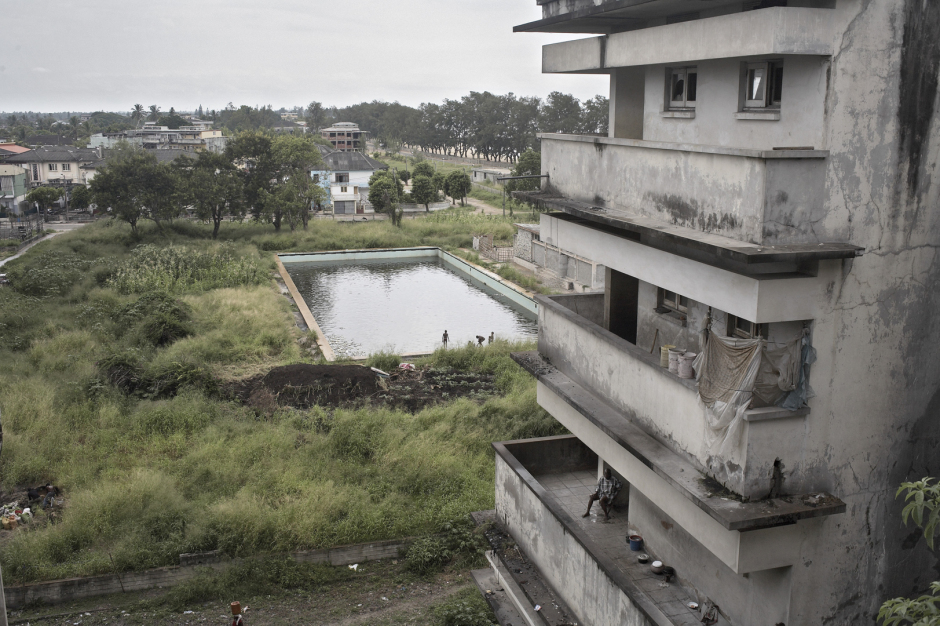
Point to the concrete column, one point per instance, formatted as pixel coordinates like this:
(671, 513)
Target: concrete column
(627, 96)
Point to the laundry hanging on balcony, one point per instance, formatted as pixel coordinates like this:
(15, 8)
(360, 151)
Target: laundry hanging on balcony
(733, 372)
(726, 369)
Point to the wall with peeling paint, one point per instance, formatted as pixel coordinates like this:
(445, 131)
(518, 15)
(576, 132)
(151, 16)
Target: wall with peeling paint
(875, 421)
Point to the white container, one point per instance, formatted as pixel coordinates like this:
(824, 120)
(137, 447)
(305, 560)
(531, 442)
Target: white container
(685, 365)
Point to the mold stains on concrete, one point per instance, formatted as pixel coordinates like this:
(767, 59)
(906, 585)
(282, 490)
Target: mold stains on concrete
(689, 213)
(920, 66)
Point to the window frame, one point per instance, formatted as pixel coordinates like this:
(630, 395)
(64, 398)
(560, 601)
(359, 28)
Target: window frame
(342, 177)
(677, 304)
(53, 167)
(66, 167)
(754, 330)
(684, 104)
(771, 96)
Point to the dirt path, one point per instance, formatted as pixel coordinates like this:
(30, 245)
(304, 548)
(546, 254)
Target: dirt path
(487, 209)
(415, 608)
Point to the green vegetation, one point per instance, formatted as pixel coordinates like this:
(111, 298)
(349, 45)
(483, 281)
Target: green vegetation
(509, 273)
(513, 207)
(115, 349)
(922, 508)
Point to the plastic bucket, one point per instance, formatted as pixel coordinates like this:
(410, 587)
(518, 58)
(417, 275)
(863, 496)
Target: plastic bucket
(685, 365)
(636, 542)
(664, 355)
(674, 355)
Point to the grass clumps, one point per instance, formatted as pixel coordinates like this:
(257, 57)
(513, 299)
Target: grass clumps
(180, 268)
(110, 392)
(465, 608)
(458, 543)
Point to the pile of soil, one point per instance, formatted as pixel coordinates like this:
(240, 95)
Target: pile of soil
(333, 386)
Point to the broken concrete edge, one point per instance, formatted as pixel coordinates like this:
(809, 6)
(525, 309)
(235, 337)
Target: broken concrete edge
(500, 603)
(640, 599)
(687, 479)
(67, 589)
(322, 342)
(683, 241)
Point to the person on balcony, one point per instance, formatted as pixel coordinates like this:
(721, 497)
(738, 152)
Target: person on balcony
(607, 489)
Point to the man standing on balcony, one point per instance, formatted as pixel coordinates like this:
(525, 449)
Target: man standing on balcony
(607, 489)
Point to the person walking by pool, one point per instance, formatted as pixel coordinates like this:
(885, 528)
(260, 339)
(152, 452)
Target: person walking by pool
(491, 337)
(480, 340)
(607, 489)
(445, 339)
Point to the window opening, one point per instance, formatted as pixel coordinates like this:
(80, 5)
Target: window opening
(740, 327)
(52, 167)
(673, 301)
(66, 167)
(763, 85)
(683, 85)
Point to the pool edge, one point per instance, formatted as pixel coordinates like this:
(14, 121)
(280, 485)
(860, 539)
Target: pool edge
(322, 342)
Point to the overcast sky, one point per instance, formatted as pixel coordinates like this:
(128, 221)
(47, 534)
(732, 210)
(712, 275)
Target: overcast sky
(64, 55)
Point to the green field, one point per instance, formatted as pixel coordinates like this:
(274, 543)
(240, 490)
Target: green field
(112, 353)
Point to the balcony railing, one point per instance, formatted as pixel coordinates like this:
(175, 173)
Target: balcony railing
(630, 380)
(729, 191)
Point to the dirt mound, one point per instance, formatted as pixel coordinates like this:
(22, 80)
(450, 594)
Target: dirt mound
(303, 386)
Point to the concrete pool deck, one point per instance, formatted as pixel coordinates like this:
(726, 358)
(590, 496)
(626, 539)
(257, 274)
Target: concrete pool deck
(519, 296)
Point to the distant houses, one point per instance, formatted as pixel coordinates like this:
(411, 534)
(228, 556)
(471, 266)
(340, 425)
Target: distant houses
(54, 165)
(345, 136)
(346, 180)
(13, 187)
(194, 138)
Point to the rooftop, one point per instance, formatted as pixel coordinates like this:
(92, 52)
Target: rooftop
(56, 154)
(352, 162)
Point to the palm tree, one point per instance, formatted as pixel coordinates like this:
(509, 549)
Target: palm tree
(154, 113)
(137, 113)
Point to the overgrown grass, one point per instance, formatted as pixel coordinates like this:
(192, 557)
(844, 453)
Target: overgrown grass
(162, 465)
(506, 271)
(520, 211)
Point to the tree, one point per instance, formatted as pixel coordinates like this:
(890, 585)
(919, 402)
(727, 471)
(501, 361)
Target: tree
(154, 113)
(923, 507)
(45, 197)
(172, 121)
(405, 176)
(384, 194)
(529, 164)
(457, 185)
(81, 198)
(135, 186)
(315, 116)
(213, 186)
(423, 191)
(439, 181)
(423, 168)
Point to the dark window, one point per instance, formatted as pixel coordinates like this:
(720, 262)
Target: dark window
(674, 301)
(740, 327)
(342, 178)
(763, 85)
(683, 85)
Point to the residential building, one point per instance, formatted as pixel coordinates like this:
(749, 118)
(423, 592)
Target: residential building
(54, 165)
(13, 187)
(8, 149)
(48, 140)
(766, 201)
(345, 136)
(195, 138)
(346, 178)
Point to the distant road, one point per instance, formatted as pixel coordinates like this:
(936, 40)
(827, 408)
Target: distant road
(59, 228)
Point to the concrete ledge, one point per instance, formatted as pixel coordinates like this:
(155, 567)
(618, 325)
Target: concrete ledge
(680, 474)
(67, 589)
(686, 115)
(322, 342)
(689, 147)
(766, 116)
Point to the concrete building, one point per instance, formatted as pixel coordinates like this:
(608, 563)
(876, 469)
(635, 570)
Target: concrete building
(55, 165)
(766, 200)
(345, 178)
(13, 187)
(345, 136)
(557, 268)
(195, 138)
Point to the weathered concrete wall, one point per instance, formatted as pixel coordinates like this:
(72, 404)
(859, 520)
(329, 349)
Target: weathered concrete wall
(761, 597)
(732, 192)
(522, 245)
(562, 560)
(719, 85)
(590, 306)
(68, 589)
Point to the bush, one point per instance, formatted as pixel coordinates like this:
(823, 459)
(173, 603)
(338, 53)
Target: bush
(457, 541)
(467, 608)
(385, 361)
(180, 268)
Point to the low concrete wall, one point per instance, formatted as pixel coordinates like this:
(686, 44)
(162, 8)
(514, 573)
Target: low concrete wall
(68, 589)
(590, 306)
(593, 586)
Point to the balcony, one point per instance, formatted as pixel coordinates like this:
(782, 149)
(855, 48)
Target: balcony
(740, 193)
(771, 31)
(631, 382)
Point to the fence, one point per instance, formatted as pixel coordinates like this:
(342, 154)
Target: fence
(500, 254)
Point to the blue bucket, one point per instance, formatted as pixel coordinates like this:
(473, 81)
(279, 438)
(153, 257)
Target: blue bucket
(636, 542)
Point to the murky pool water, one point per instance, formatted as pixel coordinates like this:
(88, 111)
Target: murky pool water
(404, 306)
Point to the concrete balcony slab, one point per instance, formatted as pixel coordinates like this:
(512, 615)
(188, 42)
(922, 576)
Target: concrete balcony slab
(771, 31)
